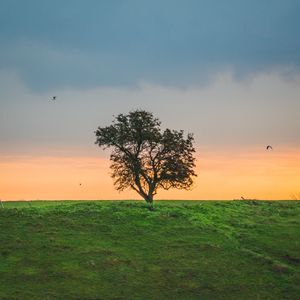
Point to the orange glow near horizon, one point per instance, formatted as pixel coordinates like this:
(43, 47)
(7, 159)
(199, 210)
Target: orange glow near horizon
(228, 174)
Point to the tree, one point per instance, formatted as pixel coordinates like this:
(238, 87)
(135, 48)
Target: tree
(145, 158)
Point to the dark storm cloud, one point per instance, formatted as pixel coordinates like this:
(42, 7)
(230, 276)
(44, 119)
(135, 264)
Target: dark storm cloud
(52, 44)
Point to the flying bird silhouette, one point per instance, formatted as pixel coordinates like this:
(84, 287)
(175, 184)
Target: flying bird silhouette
(269, 147)
(53, 98)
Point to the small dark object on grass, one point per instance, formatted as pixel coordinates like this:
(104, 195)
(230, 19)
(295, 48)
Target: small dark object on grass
(248, 199)
(4, 252)
(292, 259)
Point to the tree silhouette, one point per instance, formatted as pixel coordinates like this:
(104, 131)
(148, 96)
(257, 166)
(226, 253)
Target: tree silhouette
(145, 158)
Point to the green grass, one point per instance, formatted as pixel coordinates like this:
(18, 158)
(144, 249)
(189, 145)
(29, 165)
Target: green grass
(121, 250)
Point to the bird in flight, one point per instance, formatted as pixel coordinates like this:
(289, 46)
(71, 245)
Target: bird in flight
(53, 98)
(269, 147)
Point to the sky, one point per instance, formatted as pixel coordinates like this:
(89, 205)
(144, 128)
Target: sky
(227, 71)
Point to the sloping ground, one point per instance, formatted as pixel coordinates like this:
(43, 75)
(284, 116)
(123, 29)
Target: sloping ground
(120, 250)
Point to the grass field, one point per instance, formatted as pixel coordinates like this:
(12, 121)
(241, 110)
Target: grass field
(121, 250)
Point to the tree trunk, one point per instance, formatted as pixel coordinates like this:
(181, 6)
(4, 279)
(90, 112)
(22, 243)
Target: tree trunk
(149, 200)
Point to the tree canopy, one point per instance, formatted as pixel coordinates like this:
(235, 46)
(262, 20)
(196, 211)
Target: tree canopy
(145, 158)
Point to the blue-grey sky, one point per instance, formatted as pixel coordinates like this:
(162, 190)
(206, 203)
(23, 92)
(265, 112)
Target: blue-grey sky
(226, 70)
(53, 44)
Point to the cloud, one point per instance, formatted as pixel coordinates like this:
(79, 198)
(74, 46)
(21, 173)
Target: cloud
(120, 43)
(227, 112)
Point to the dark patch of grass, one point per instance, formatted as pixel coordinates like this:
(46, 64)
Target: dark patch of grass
(121, 250)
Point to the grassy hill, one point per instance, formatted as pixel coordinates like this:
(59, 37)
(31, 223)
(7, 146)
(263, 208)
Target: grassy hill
(121, 250)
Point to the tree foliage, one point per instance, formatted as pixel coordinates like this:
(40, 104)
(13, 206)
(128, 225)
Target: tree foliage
(145, 158)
